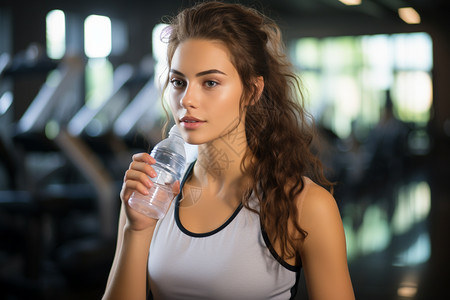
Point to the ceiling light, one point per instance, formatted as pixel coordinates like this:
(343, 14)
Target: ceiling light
(351, 2)
(409, 15)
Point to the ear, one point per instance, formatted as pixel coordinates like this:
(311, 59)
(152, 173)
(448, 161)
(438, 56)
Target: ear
(259, 83)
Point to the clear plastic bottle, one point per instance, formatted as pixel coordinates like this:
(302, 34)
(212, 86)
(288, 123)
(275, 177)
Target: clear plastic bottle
(170, 159)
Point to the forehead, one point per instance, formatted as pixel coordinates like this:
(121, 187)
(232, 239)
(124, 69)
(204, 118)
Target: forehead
(200, 55)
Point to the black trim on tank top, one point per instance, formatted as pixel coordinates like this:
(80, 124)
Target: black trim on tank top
(296, 269)
(177, 211)
(294, 288)
(275, 254)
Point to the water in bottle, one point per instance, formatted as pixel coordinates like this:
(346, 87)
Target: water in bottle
(170, 159)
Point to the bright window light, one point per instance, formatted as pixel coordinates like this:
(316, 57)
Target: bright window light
(420, 58)
(97, 36)
(409, 15)
(159, 50)
(56, 34)
(413, 92)
(347, 78)
(158, 46)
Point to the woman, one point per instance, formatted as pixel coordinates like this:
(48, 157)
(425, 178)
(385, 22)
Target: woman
(250, 213)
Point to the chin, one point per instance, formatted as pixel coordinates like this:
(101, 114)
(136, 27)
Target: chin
(197, 138)
(193, 140)
(194, 143)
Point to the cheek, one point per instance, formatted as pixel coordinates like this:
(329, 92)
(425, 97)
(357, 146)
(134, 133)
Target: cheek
(234, 104)
(231, 97)
(173, 101)
(173, 107)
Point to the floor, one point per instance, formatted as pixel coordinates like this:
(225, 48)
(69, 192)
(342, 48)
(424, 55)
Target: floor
(396, 229)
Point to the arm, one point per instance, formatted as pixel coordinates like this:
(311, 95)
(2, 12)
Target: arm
(323, 252)
(127, 278)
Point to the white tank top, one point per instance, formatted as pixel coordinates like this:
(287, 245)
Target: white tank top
(235, 261)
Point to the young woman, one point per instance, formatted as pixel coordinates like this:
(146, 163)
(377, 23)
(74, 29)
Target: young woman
(252, 210)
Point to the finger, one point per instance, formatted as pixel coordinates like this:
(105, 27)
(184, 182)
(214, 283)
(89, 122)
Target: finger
(129, 187)
(138, 176)
(142, 167)
(144, 157)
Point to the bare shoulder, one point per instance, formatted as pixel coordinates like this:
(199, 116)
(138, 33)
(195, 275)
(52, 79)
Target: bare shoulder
(315, 201)
(318, 213)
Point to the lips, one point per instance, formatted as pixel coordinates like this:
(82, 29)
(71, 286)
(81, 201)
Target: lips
(189, 122)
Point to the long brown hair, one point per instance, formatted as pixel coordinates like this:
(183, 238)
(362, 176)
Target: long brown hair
(279, 131)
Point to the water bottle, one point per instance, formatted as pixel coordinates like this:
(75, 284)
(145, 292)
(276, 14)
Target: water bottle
(170, 159)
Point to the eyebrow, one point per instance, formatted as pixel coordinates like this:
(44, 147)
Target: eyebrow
(203, 73)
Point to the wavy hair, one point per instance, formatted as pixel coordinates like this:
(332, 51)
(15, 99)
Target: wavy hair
(279, 131)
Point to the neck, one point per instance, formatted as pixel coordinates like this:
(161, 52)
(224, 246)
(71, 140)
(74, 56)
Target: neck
(218, 166)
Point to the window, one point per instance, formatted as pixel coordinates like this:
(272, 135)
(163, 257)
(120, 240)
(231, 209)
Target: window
(346, 78)
(56, 34)
(99, 70)
(159, 51)
(97, 36)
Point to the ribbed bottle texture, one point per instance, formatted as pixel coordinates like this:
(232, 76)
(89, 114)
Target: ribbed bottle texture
(170, 159)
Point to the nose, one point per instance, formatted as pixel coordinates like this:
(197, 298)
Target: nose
(188, 99)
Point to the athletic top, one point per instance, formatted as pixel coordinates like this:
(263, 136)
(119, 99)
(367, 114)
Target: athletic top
(234, 261)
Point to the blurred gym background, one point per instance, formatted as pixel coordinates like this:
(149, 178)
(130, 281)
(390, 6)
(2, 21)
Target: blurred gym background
(79, 94)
